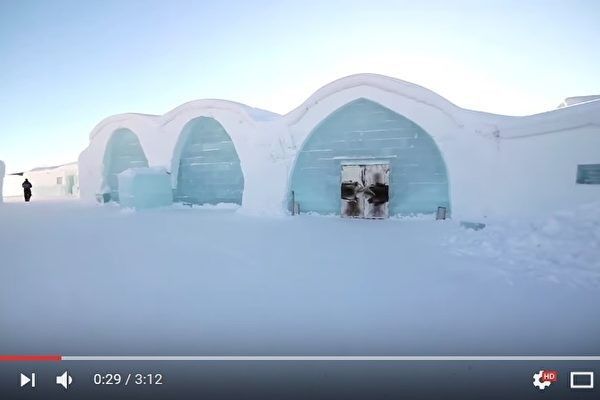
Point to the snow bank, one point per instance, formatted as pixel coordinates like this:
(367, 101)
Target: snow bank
(219, 206)
(206, 282)
(564, 247)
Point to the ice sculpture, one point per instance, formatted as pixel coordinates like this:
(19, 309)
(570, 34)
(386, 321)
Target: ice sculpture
(145, 188)
(209, 167)
(122, 152)
(364, 131)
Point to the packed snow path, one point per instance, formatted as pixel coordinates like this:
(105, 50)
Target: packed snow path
(85, 279)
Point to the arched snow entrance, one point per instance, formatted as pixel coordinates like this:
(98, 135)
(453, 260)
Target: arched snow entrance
(123, 151)
(363, 132)
(207, 164)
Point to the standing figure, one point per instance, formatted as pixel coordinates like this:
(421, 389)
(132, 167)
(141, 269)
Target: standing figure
(27, 189)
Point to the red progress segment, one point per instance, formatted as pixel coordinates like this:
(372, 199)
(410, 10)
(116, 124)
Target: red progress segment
(30, 357)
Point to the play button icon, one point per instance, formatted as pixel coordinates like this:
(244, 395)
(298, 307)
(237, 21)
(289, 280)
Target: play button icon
(25, 380)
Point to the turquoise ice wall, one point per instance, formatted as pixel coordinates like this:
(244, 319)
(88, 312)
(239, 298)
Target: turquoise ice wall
(363, 130)
(122, 152)
(209, 166)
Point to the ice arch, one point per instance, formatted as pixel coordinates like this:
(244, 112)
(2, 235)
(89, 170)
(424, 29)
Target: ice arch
(364, 130)
(208, 166)
(123, 151)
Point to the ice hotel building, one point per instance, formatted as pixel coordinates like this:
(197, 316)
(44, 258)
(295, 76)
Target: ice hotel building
(363, 146)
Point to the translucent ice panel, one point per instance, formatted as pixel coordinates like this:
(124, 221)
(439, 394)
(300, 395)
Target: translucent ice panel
(122, 152)
(145, 188)
(209, 166)
(363, 130)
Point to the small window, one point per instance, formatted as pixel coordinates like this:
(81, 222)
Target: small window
(59, 180)
(588, 174)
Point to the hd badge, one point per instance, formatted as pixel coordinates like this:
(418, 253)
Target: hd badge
(544, 378)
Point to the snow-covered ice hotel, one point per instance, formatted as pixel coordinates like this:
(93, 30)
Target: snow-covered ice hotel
(362, 146)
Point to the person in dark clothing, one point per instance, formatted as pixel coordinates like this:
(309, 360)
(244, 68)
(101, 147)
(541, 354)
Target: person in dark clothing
(27, 189)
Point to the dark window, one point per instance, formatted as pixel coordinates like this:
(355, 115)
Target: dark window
(588, 174)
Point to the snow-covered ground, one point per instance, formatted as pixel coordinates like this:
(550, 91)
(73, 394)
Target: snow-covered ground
(90, 279)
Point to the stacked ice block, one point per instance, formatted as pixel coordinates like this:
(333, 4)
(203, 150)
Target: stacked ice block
(141, 188)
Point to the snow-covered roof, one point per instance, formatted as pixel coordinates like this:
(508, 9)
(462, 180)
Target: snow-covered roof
(39, 169)
(585, 113)
(382, 82)
(251, 114)
(570, 101)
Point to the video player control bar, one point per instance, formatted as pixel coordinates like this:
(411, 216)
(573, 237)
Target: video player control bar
(56, 358)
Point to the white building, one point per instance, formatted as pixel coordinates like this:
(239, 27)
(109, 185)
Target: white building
(48, 182)
(350, 136)
(62, 180)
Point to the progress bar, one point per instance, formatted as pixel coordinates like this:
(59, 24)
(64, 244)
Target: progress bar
(56, 358)
(331, 358)
(29, 357)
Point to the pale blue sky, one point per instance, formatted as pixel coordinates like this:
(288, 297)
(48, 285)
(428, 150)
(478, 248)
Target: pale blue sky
(65, 65)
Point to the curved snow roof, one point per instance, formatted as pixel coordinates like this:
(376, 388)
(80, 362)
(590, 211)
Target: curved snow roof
(257, 114)
(583, 114)
(245, 111)
(382, 82)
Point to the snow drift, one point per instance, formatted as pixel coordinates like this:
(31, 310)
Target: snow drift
(193, 280)
(563, 247)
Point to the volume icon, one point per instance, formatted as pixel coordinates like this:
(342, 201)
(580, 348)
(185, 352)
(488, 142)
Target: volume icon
(65, 380)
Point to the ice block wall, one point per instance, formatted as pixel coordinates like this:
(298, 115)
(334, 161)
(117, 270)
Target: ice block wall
(209, 167)
(142, 188)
